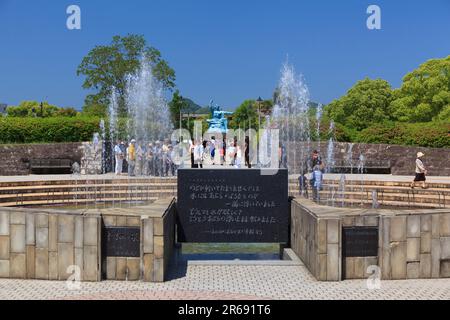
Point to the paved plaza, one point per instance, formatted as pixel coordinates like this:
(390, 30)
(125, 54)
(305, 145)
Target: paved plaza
(229, 282)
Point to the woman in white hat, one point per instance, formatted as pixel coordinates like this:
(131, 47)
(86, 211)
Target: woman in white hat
(421, 171)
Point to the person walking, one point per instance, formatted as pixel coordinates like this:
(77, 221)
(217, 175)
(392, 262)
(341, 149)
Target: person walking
(213, 149)
(131, 158)
(421, 172)
(191, 152)
(198, 155)
(247, 152)
(123, 148)
(232, 153)
(223, 152)
(118, 155)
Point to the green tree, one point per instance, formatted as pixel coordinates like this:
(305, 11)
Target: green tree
(424, 94)
(106, 67)
(32, 109)
(177, 106)
(367, 102)
(66, 112)
(246, 115)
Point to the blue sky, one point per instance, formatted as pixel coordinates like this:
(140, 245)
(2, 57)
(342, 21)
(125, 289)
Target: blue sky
(227, 50)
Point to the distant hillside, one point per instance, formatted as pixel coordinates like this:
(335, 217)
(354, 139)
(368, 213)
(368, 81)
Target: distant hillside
(192, 107)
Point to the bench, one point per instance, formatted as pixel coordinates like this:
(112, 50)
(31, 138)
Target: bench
(50, 166)
(371, 166)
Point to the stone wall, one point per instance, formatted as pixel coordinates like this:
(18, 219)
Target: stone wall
(36, 244)
(43, 245)
(317, 242)
(15, 158)
(412, 244)
(416, 246)
(402, 158)
(157, 225)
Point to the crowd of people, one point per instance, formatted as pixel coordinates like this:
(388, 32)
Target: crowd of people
(140, 159)
(214, 153)
(158, 158)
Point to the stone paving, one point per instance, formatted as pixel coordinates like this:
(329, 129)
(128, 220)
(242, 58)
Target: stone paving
(229, 282)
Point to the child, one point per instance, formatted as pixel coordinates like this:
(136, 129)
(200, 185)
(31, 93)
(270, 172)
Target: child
(303, 184)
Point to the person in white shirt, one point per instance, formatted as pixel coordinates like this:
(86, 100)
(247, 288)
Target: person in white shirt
(198, 155)
(118, 154)
(232, 153)
(213, 149)
(421, 171)
(238, 162)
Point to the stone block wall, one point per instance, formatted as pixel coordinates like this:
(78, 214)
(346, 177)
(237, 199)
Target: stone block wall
(15, 158)
(157, 243)
(43, 245)
(416, 246)
(412, 244)
(122, 268)
(402, 158)
(356, 267)
(317, 242)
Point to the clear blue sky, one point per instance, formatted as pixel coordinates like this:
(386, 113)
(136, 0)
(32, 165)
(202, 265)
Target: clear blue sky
(229, 50)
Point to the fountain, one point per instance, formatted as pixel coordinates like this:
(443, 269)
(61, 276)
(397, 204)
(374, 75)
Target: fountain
(148, 113)
(146, 109)
(290, 116)
(349, 157)
(318, 119)
(361, 172)
(342, 183)
(330, 150)
(113, 129)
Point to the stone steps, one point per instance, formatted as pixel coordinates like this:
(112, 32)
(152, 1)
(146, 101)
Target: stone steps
(72, 201)
(80, 195)
(380, 189)
(366, 203)
(410, 201)
(405, 184)
(56, 188)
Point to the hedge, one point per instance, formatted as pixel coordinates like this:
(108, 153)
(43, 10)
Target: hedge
(62, 129)
(429, 134)
(58, 129)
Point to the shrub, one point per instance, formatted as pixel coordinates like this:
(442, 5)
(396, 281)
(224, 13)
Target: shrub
(429, 134)
(55, 129)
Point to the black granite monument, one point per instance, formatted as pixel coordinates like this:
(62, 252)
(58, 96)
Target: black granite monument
(233, 205)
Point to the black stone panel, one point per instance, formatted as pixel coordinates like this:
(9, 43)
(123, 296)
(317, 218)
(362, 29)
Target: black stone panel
(233, 205)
